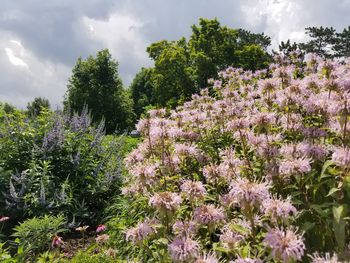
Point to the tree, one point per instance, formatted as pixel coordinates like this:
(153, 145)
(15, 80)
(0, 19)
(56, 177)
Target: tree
(212, 48)
(183, 67)
(252, 57)
(37, 105)
(322, 40)
(172, 78)
(7, 108)
(287, 47)
(142, 91)
(95, 83)
(342, 43)
(245, 37)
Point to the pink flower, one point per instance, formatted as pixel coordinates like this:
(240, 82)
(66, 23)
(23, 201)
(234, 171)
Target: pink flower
(230, 238)
(278, 209)
(245, 193)
(157, 113)
(193, 190)
(208, 258)
(341, 157)
(166, 201)
(142, 231)
(185, 228)
(290, 167)
(183, 149)
(246, 260)
(4, 218)
(57, 241)
(286, 245)
(212, 173)
(183, 249)
(145, 173)
(208, 214)
(102, 239)
(143, 125)
(100, 228)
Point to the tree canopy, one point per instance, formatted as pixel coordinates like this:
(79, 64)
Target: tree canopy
(37, 105)
(183, 67)
(95, 83)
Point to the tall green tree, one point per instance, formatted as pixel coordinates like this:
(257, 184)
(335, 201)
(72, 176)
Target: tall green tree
(172, 74)
(95, 83)
(245, 37)
(183, 67)
(322, 41)
(37, 105)
(252, 57)
(142, 91)
(342, 43)
(287, 47)
(212, 48)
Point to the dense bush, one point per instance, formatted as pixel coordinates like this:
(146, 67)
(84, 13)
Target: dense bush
(56, 163)
(258, 173)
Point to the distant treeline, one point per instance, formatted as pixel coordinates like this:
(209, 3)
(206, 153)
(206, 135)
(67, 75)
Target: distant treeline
(181, 68)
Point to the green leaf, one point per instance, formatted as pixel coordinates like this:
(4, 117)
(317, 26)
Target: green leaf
(339, 212)
(332, 191)
(307, 226)
(324, 169)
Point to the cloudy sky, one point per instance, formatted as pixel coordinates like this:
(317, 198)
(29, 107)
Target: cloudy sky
(40, 40)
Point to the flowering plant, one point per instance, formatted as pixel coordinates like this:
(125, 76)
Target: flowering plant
(255, 169)
(57, 163)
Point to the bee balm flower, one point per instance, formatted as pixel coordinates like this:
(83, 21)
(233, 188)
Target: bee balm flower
(100, 228)
(286, 245)
(183, 249)
(165, 201)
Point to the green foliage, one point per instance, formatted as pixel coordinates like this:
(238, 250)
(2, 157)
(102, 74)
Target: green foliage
(95, 82)
(342, 43)
(37, 105)
(84, 257)
(252, 57)
(171, 77)
(183, 67)
(35, 234)
(5, 256)
(248, 38)
(126, 213)
(7, 108)
(142, 91)
(57, 163)
(287, 47)
(212, 48)
(322, 39)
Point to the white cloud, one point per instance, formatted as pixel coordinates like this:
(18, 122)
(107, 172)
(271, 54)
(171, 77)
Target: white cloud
(121, 34)
(283, 19)
(25, 76)
(16, 61)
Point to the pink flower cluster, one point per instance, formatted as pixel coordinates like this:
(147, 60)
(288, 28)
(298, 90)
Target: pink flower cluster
(219, 169)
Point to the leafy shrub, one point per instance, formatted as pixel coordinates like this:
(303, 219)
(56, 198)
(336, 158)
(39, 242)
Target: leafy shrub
(5, 255)
(57, 163)
(260, 172)
(36, 234)
(83, 257)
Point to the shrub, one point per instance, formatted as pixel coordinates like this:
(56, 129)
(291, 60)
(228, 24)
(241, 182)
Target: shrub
(5, 255)
(57, 163)
(83, 257)
(260, 172)
(36, 234)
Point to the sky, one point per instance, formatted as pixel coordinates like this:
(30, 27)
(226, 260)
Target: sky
(40, 40)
